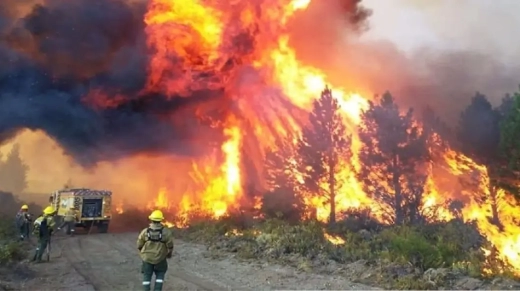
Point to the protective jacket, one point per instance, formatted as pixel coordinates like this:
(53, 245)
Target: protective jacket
(70, 216)
(41, 229)
(22, 218)
(155, 243)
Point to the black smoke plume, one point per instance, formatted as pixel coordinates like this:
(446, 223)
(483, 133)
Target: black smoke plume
(61, 50)
(53, 53)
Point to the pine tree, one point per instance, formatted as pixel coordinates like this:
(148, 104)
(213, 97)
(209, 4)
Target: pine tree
(282, 199)
(13, 175)
(509, 146)
(393, 156)
(323, 148)
(479, 135)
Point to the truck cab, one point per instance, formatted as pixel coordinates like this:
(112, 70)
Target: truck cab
(93, 206)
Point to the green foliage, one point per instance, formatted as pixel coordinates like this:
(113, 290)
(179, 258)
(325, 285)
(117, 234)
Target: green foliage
(10, 252)
(424, 250)
(393, 149)
(510, 146)
(305, 239)
(10, 249)
(454, 245)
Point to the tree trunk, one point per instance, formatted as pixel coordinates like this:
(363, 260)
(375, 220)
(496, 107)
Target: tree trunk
(493, 199)
(332, 189)
(399, 215)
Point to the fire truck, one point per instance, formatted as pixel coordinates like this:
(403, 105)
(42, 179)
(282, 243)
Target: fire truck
(93, 207)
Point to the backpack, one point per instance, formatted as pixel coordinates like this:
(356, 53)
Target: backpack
(154, 235)
(42, 229)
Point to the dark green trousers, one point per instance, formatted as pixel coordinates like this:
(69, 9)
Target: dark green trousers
(40, 248)
(149, 270)
(24, 231)
(70, 227)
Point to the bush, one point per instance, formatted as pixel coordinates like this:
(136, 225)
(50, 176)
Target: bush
(401, 254)
(412, 245)
(10, 249)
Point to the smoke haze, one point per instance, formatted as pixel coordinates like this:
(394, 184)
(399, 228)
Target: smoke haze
(59, 51)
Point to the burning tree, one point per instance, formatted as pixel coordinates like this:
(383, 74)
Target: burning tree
(479, 134)
(393, 157)
(323, 149)
(282, 199)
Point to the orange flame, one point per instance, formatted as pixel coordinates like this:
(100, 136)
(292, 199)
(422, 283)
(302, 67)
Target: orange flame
(198, 33)
(334, 239)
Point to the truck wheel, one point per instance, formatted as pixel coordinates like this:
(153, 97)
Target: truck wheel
(87, 225)
(102, 227)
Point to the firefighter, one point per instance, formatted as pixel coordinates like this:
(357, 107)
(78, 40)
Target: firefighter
(23, 222)
(43, 228)
(155, 244)
(69, 220)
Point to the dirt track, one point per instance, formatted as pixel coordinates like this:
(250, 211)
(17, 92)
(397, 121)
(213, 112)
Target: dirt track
(110, 262)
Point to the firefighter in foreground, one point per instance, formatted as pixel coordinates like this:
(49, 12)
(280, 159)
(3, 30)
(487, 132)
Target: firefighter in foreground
(69, 221)
(43, 228)
(23, 222)
(155, 245)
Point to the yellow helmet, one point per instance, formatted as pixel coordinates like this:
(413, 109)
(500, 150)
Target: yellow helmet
(156, 215)
(25, 207)
(48, 210)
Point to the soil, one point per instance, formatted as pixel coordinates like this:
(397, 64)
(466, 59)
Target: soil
(110, 262)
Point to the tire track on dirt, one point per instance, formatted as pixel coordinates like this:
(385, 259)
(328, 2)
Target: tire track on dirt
(74, 259)
(104, 268)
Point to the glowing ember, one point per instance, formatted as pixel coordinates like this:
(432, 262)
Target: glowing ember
(234, 232)
(334, 239)
(120, 209)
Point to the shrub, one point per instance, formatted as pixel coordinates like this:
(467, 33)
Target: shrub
(354, 220)
(305, 239)
(401, 254)
(10, 249)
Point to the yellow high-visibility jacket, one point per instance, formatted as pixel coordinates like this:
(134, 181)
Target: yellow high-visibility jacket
(50, 224)
(70, 216)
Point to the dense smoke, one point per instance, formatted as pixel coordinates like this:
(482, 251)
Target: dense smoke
(56, 53)
(59, 52)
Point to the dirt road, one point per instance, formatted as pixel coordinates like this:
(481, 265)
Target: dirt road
(110, 262)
